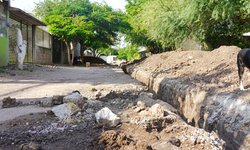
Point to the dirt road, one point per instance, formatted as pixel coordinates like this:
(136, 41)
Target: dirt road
(46, 81)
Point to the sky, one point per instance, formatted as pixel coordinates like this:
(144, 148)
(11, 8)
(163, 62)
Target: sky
(28, 5)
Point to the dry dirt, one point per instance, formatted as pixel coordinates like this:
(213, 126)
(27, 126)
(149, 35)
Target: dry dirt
(119, 92)
(216, 70)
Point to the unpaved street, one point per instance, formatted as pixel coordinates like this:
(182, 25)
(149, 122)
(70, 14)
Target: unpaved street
(38, 82)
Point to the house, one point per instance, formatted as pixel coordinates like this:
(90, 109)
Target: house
(39, 41)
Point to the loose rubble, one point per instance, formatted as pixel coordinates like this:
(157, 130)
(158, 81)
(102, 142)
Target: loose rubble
(141, 123)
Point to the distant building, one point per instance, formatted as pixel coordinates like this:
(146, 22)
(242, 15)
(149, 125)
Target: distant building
(109, 59)
(112, 60)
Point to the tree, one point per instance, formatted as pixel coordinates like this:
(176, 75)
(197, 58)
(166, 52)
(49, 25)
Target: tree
(67, 21)
(211, 22)
(94, 25)
(137, 35)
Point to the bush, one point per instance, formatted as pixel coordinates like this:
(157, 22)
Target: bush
(129, 53)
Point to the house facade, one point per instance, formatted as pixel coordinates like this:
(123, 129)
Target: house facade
(39, 40)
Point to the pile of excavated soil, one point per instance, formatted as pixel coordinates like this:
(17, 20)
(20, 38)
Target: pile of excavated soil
(142, 127)
(216, 71)
(204, 87)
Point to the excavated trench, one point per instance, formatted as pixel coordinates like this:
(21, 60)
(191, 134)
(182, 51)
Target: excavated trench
(223, 113)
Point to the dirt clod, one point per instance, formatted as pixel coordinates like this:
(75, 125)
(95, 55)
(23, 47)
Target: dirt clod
(9, 102)
(175, 141)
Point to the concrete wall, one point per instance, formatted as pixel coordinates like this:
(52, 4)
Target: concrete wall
(42, 53)
(43, 47)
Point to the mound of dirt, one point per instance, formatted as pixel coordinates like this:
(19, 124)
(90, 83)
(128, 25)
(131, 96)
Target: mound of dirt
(204, 87)
(217, 67)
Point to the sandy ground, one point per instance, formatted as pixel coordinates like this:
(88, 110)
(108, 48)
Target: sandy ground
(37, 82)
(47, 81)
(12, 113)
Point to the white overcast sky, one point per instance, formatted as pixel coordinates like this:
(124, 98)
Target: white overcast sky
(28, 5)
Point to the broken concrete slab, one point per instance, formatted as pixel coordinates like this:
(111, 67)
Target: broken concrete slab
(75, 98)
(65, 110)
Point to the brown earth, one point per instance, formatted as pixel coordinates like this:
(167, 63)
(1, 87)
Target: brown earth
(216, 71)
(210, 68)
(203, 87)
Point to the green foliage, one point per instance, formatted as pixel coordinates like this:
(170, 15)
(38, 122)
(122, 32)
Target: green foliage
(169, 22)
(137, 35)
(70, 28)
(129, 53)
(94, 25)
(108, 51)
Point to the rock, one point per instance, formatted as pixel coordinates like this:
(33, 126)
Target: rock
(65, 111)
(30, 146)
(98, 95)
(57, 100)
(94, 104)
(46, 102)
(175, 141)
(93, 89)
(150, 95)
(140, 106)
(9, 102)
(157, 110)
(75, 98)
(163, 145)
(106, 117)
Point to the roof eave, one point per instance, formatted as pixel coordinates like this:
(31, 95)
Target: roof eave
(20, 15)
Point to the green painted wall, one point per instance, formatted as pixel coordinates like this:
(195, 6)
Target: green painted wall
(3, 51)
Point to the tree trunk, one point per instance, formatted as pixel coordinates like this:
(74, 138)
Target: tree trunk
(70, 49)
(68, 52)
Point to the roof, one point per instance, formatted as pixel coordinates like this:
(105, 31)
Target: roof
(20, 15)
